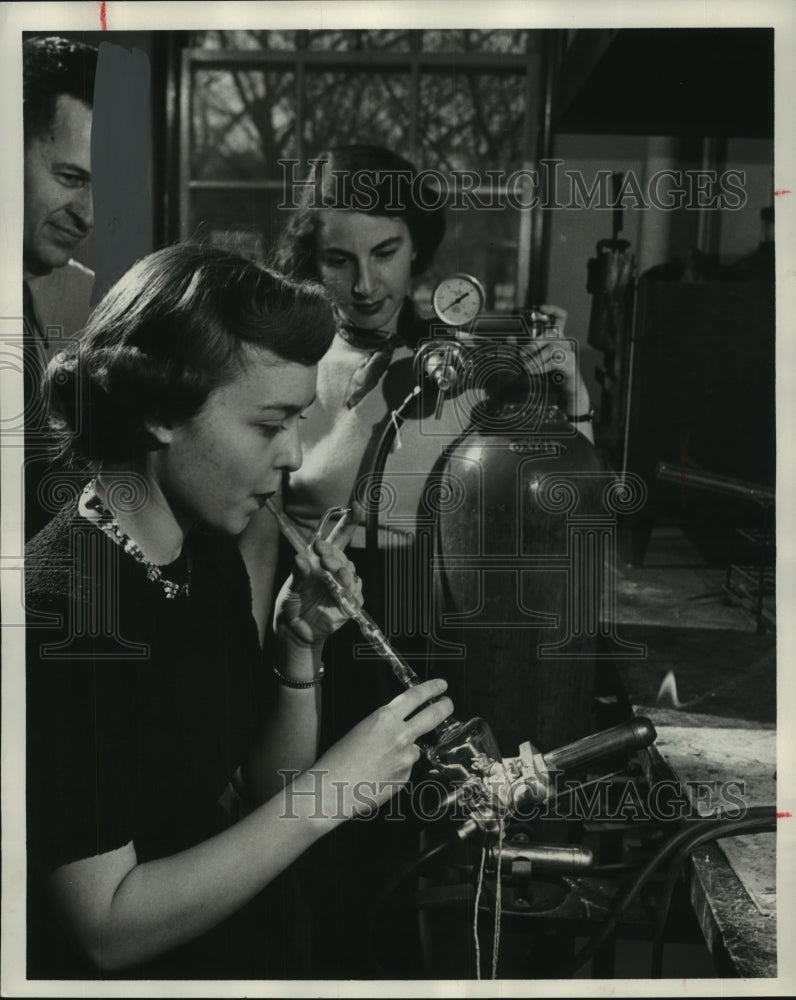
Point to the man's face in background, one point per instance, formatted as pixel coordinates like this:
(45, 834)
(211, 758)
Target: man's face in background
(59, 214)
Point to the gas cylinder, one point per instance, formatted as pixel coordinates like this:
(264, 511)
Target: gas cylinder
(505, 572)
(518, 572)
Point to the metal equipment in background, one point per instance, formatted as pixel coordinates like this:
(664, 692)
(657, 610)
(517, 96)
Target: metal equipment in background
(528, 500)
(750, 582)
(611, 283)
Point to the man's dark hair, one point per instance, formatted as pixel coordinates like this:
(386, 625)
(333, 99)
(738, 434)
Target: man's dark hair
(52, 66)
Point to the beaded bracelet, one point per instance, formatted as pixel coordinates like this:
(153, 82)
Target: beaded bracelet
(300, 685)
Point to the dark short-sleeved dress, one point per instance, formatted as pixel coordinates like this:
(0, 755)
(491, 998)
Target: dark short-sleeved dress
(140, 709)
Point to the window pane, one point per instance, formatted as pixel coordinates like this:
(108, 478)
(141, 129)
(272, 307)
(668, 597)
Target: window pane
(502, 41)
(352, 41)
(243, 121)
(466, 120)
(343, 41)
(245, 221)
(243, 40)
(462, 40)
(483, 243)
(395, 41)
(356, 107)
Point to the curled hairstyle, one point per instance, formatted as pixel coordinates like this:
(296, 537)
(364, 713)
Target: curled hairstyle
(50, 67)
(180, 323)
(366, 179)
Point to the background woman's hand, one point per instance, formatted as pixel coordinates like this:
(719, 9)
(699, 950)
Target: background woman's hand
(558, 313)
(558, 360)
(371, 762)
(553, 356)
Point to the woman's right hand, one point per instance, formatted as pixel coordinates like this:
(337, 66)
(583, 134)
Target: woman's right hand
(370, 763)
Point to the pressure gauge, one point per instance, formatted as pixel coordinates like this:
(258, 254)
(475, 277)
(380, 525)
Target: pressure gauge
(458, 299)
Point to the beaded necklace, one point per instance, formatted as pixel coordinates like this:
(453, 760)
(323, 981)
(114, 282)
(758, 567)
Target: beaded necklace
(108, 523)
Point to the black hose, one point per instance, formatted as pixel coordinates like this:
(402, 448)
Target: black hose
(682, 837)
(729, 829)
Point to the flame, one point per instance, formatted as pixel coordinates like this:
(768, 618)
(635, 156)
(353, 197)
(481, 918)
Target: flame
(667, 693)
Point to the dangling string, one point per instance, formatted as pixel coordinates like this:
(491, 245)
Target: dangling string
(397, 426)
(475, 916)
(498, 899)
(498, 904)
(397, 418)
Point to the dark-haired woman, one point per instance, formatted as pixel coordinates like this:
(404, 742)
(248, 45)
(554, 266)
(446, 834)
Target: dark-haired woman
(363, 228)
(168, 779)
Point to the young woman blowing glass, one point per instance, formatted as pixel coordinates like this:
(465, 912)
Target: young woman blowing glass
(168, 779)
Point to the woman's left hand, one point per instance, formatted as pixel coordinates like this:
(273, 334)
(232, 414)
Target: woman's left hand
(553, 356)
(305, 608)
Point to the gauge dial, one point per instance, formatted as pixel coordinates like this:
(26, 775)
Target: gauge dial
(458, 299)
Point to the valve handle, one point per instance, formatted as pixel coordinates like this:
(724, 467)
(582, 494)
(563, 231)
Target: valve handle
(632, 735)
